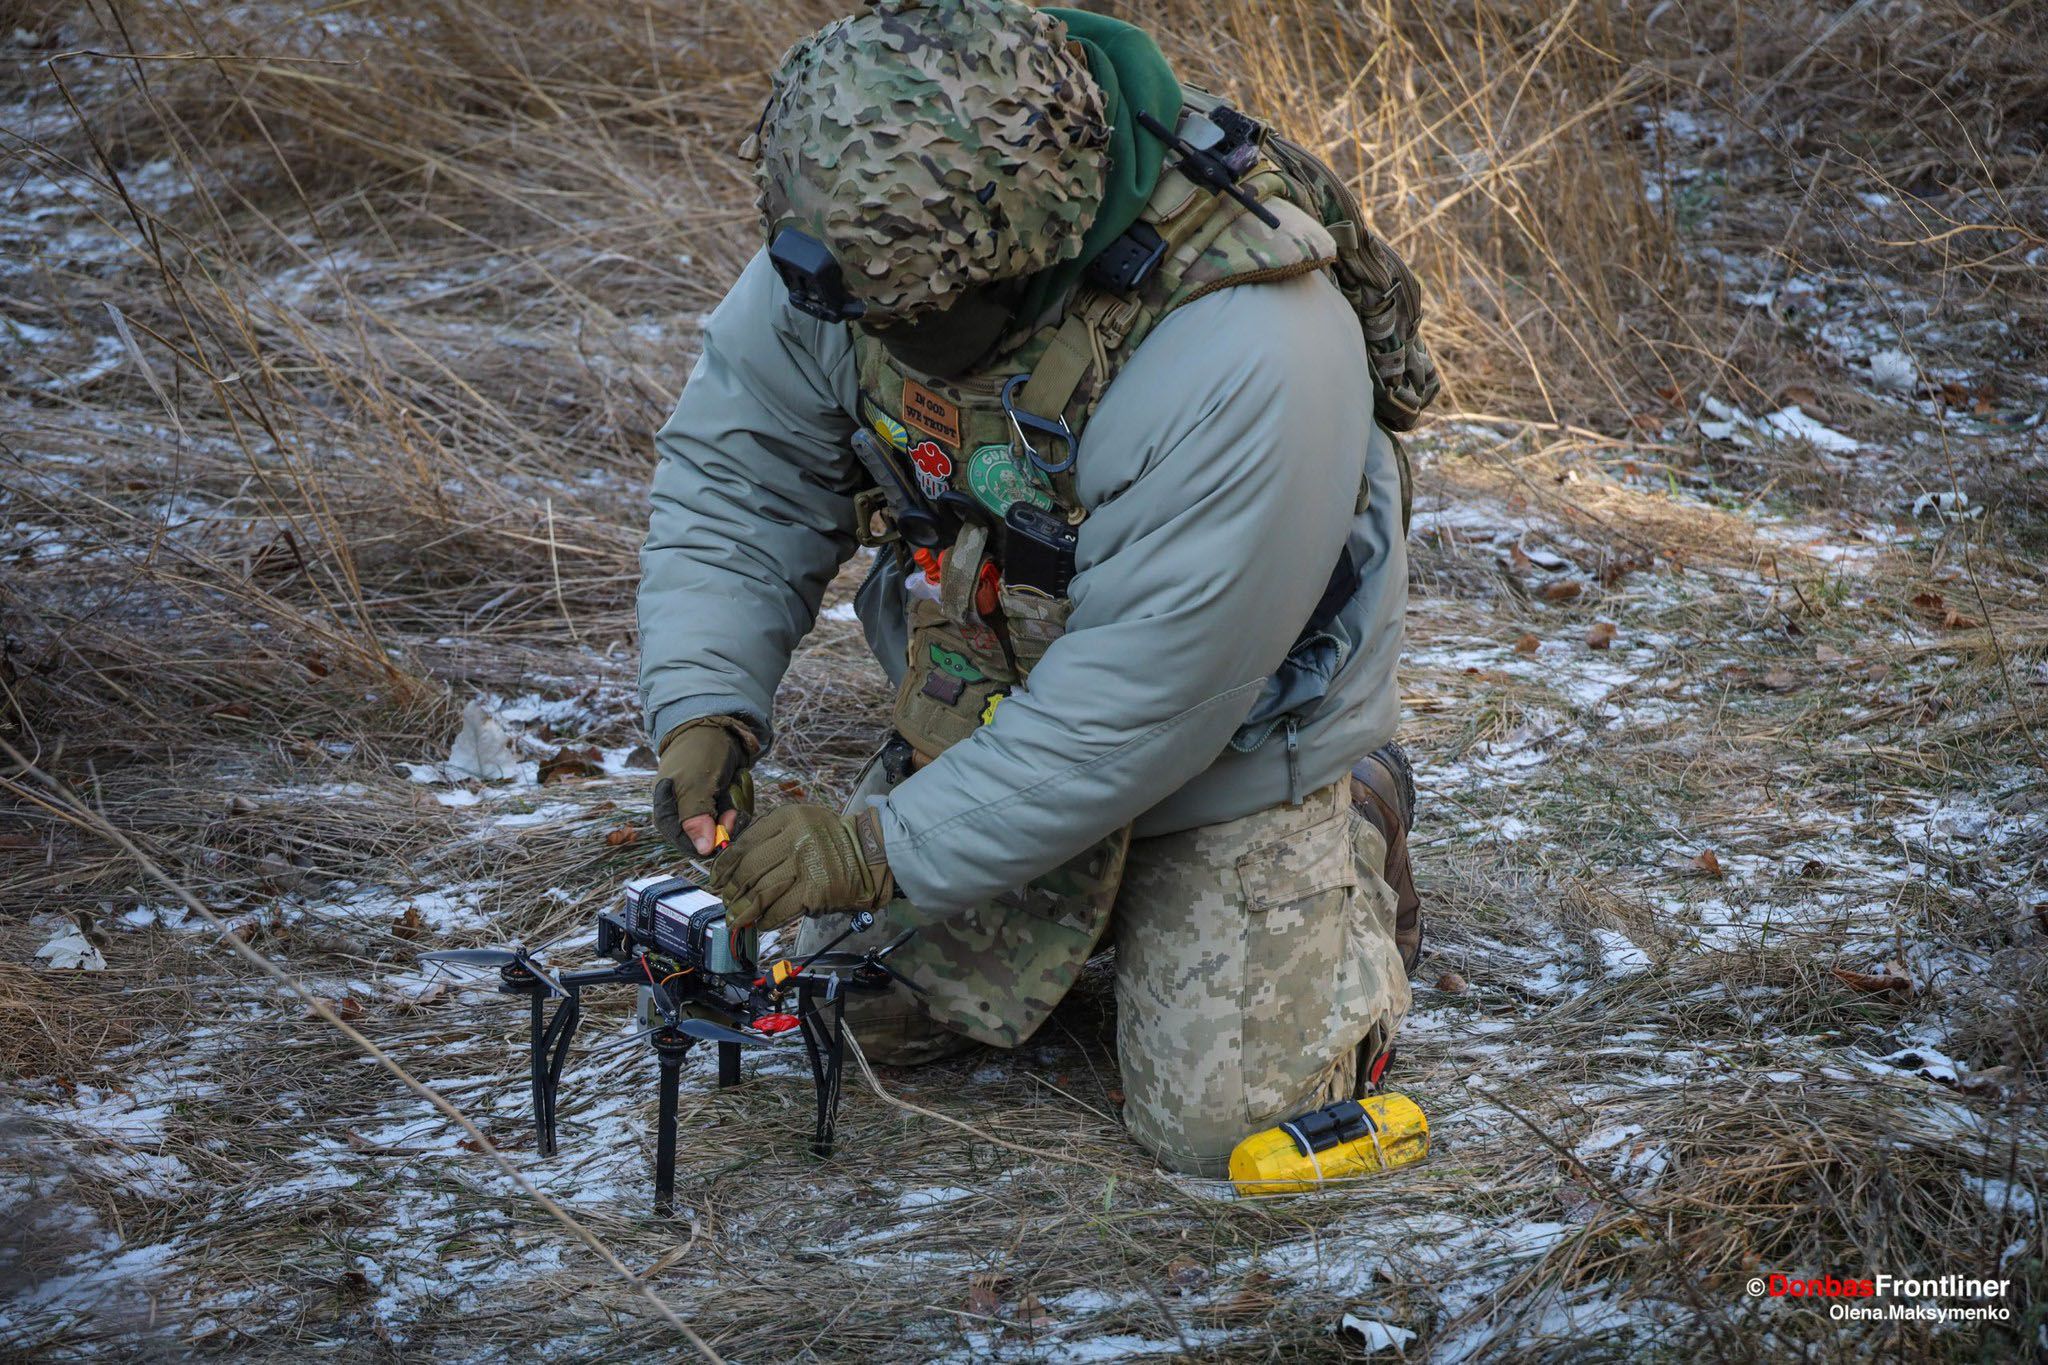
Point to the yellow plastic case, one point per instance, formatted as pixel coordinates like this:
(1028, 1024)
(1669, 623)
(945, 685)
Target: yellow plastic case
(1273, 1162)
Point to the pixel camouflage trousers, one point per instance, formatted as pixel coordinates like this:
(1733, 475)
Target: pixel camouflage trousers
(1256, 973)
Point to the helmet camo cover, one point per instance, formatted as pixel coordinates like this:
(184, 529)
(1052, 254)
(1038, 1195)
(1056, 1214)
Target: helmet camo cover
(933, 146)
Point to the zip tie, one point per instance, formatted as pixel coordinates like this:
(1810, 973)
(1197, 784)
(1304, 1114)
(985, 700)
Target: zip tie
(1372, 1126)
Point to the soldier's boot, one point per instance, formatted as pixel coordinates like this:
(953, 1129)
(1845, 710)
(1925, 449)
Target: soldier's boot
(1383, 791)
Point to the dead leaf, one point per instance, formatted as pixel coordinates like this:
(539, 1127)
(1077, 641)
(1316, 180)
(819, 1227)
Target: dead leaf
(792, 790)
(353, 1284)
(1670, 394)
(569, 765)
(1184, 1274)
(1933, 603)
(984, 1298)
(315, 665)
(1033, 1315)
(1601, 636)
(1450, 983)
(1612, 571)
(1828, 654)
(1527, 644)
(620, 837)
(409, 925)
(1955, 620)
(1874, 983)
(1804, 396)
(1646, 421)
(1706, 861)
(1254, 1299)
(470, 1144)
(1518, 559)
(1563, 591)
(642, 759)
(231, 710)
(1781, 679)
(1991, 1078)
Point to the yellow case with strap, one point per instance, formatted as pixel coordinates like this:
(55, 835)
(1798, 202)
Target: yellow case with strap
(1286, 1160)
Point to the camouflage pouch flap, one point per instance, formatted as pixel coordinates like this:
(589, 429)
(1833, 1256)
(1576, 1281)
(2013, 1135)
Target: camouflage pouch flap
(1231, 247)
(996, 971)
(1382, 290)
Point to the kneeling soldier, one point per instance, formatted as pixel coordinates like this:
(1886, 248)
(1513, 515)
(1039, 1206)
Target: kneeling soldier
(1102, 368)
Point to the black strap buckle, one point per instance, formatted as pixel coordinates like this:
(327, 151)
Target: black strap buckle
(1128, 261)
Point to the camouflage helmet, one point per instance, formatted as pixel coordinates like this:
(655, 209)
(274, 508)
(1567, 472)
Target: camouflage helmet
(933, 146)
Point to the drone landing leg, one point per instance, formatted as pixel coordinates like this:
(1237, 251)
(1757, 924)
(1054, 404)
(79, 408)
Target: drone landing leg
(551, 1051)
(543, 1126)
(824, 1029)
(669, 1048)
(728, 1065)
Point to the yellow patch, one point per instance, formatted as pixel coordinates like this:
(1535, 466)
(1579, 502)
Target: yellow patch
(891, 430)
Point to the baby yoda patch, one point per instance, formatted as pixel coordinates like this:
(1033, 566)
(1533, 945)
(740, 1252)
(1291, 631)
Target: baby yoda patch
(999, 480)
(956, 664)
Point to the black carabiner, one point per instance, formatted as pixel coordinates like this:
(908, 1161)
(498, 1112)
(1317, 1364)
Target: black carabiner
(1056, 428)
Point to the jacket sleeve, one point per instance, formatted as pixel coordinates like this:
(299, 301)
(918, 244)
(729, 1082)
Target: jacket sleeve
(752, 508)
(1222, 473)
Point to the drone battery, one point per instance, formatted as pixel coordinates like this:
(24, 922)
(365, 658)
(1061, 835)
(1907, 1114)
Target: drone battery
(676, 917)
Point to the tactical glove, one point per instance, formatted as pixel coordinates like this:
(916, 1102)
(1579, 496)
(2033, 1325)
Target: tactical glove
(703, 772)
(802, 860)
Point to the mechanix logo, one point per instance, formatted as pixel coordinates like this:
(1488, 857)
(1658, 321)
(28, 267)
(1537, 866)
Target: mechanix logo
(930, 413)
(998, 480)
(934, 467)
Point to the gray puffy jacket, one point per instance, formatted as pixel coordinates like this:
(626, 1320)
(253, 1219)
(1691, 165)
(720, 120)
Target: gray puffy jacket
(1221, 474)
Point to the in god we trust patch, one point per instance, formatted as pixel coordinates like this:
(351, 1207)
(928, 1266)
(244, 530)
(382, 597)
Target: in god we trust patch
(999, 480)
(930, 413)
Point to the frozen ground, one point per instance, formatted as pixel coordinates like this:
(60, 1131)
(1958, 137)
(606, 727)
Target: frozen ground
(1732, 842)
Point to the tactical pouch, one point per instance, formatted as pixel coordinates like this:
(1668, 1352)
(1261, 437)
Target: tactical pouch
(1380, 287)
(949, 677)
(1034, 621)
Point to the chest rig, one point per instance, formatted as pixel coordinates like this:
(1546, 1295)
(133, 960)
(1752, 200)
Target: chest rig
(975, 475)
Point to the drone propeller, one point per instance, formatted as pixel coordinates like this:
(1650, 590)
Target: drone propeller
(827, 963)
(500, 958)
(473, 957)
(716, 1033)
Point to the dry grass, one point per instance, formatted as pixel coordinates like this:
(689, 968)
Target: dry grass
(332, 346)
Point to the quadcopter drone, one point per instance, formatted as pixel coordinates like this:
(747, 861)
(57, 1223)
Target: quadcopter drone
(700, 981)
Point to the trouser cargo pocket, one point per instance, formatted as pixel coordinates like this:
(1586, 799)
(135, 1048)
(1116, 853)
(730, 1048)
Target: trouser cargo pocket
(1299, 898)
